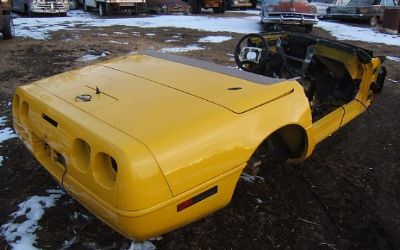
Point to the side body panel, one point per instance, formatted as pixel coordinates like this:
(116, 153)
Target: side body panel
(366, 73)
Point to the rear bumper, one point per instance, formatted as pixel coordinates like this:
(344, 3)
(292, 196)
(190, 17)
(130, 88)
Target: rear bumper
(241, 4)
(163, 217)
(146, 207)
(50, 8)
(289, 18)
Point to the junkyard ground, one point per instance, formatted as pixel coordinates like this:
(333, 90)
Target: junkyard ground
(345, 196)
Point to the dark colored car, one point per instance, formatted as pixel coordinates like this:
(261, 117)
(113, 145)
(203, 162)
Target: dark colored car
(322, 5)
(168, 6)
(288, 12)
(369, 10)
(6, 22)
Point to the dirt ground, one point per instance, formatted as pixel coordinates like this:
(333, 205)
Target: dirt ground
(345, 196)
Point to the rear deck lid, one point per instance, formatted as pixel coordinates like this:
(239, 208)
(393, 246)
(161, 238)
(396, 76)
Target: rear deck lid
(122, 78)
(232, 89)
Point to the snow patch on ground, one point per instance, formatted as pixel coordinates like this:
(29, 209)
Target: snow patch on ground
(20, 230)
(6, 134)
(90, 57)
(393, 58)
(182, 49)
(77, 216)
(147, 245)
(249, 12)
(39, 28)
(68, 243)
(364, 34)
(175, 38)
(391, 80)
(3, 120)
(87, 58)
(250, 178)
(135, 33)
(117, 42)
(215, 39)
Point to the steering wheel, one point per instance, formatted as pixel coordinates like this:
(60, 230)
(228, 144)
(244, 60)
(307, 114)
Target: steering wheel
(251, 52)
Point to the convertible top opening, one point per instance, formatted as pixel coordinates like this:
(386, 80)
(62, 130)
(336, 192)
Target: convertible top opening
(248, 76)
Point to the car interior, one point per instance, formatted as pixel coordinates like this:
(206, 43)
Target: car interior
(329, 72)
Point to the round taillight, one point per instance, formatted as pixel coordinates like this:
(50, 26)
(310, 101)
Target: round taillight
(24, 111)
(81, 155)
(15, 106)
(105, 169)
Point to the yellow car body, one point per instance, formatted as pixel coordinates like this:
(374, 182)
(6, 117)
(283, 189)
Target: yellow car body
(150, 142)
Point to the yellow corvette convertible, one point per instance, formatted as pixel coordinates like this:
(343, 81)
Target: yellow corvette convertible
(150, 142)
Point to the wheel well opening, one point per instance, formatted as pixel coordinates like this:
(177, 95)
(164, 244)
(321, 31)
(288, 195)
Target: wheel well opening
(292, 139)
(289, 142)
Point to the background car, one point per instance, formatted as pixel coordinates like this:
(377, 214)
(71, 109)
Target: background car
(32, 7)
(369, 10)
(276, 13)
(322, 5)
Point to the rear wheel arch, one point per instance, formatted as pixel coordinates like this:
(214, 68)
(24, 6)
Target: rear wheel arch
(287, 142)
(295, 139)
(374, 21)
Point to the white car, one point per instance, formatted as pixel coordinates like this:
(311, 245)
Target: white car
(32, 7)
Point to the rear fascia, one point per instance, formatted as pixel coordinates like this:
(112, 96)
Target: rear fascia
(138, 203)
(101, 190)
